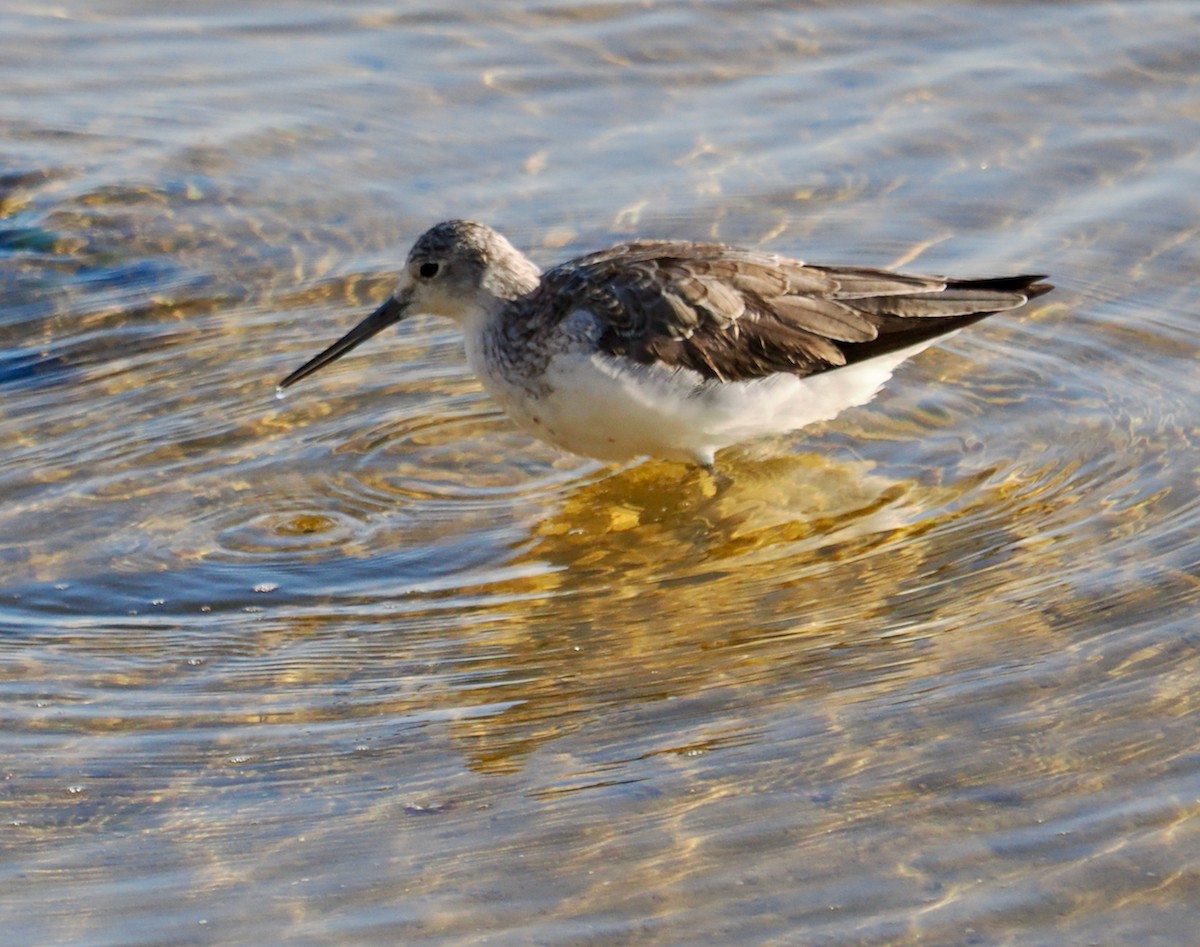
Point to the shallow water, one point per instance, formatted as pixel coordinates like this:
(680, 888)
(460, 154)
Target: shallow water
(369, 665)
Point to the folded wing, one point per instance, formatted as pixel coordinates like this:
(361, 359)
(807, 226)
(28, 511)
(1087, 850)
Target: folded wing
(735, 315)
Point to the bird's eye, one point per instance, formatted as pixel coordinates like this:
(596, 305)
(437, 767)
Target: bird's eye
(428, 270)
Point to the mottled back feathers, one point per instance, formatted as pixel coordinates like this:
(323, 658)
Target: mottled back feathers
(732, 314)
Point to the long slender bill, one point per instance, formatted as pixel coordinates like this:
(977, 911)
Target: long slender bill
(386, 315)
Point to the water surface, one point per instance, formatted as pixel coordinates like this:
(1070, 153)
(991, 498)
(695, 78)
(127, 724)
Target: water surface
(369, 665)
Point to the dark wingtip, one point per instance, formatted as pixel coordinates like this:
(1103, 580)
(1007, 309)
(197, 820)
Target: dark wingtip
(1029, 284)
(1036, 289)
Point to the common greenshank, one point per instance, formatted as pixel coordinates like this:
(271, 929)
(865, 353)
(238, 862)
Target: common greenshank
(673, 349)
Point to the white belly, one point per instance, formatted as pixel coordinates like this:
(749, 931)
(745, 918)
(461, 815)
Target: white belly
(613, 409)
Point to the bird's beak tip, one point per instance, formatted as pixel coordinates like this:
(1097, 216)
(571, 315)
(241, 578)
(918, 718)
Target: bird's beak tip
(391, 312)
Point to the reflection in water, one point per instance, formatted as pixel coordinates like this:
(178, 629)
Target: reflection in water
(367, 664)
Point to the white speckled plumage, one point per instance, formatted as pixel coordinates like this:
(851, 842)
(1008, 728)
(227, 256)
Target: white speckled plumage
(673, 349)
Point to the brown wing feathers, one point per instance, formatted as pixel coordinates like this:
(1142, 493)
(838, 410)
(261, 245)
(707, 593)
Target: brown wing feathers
(736, 315)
